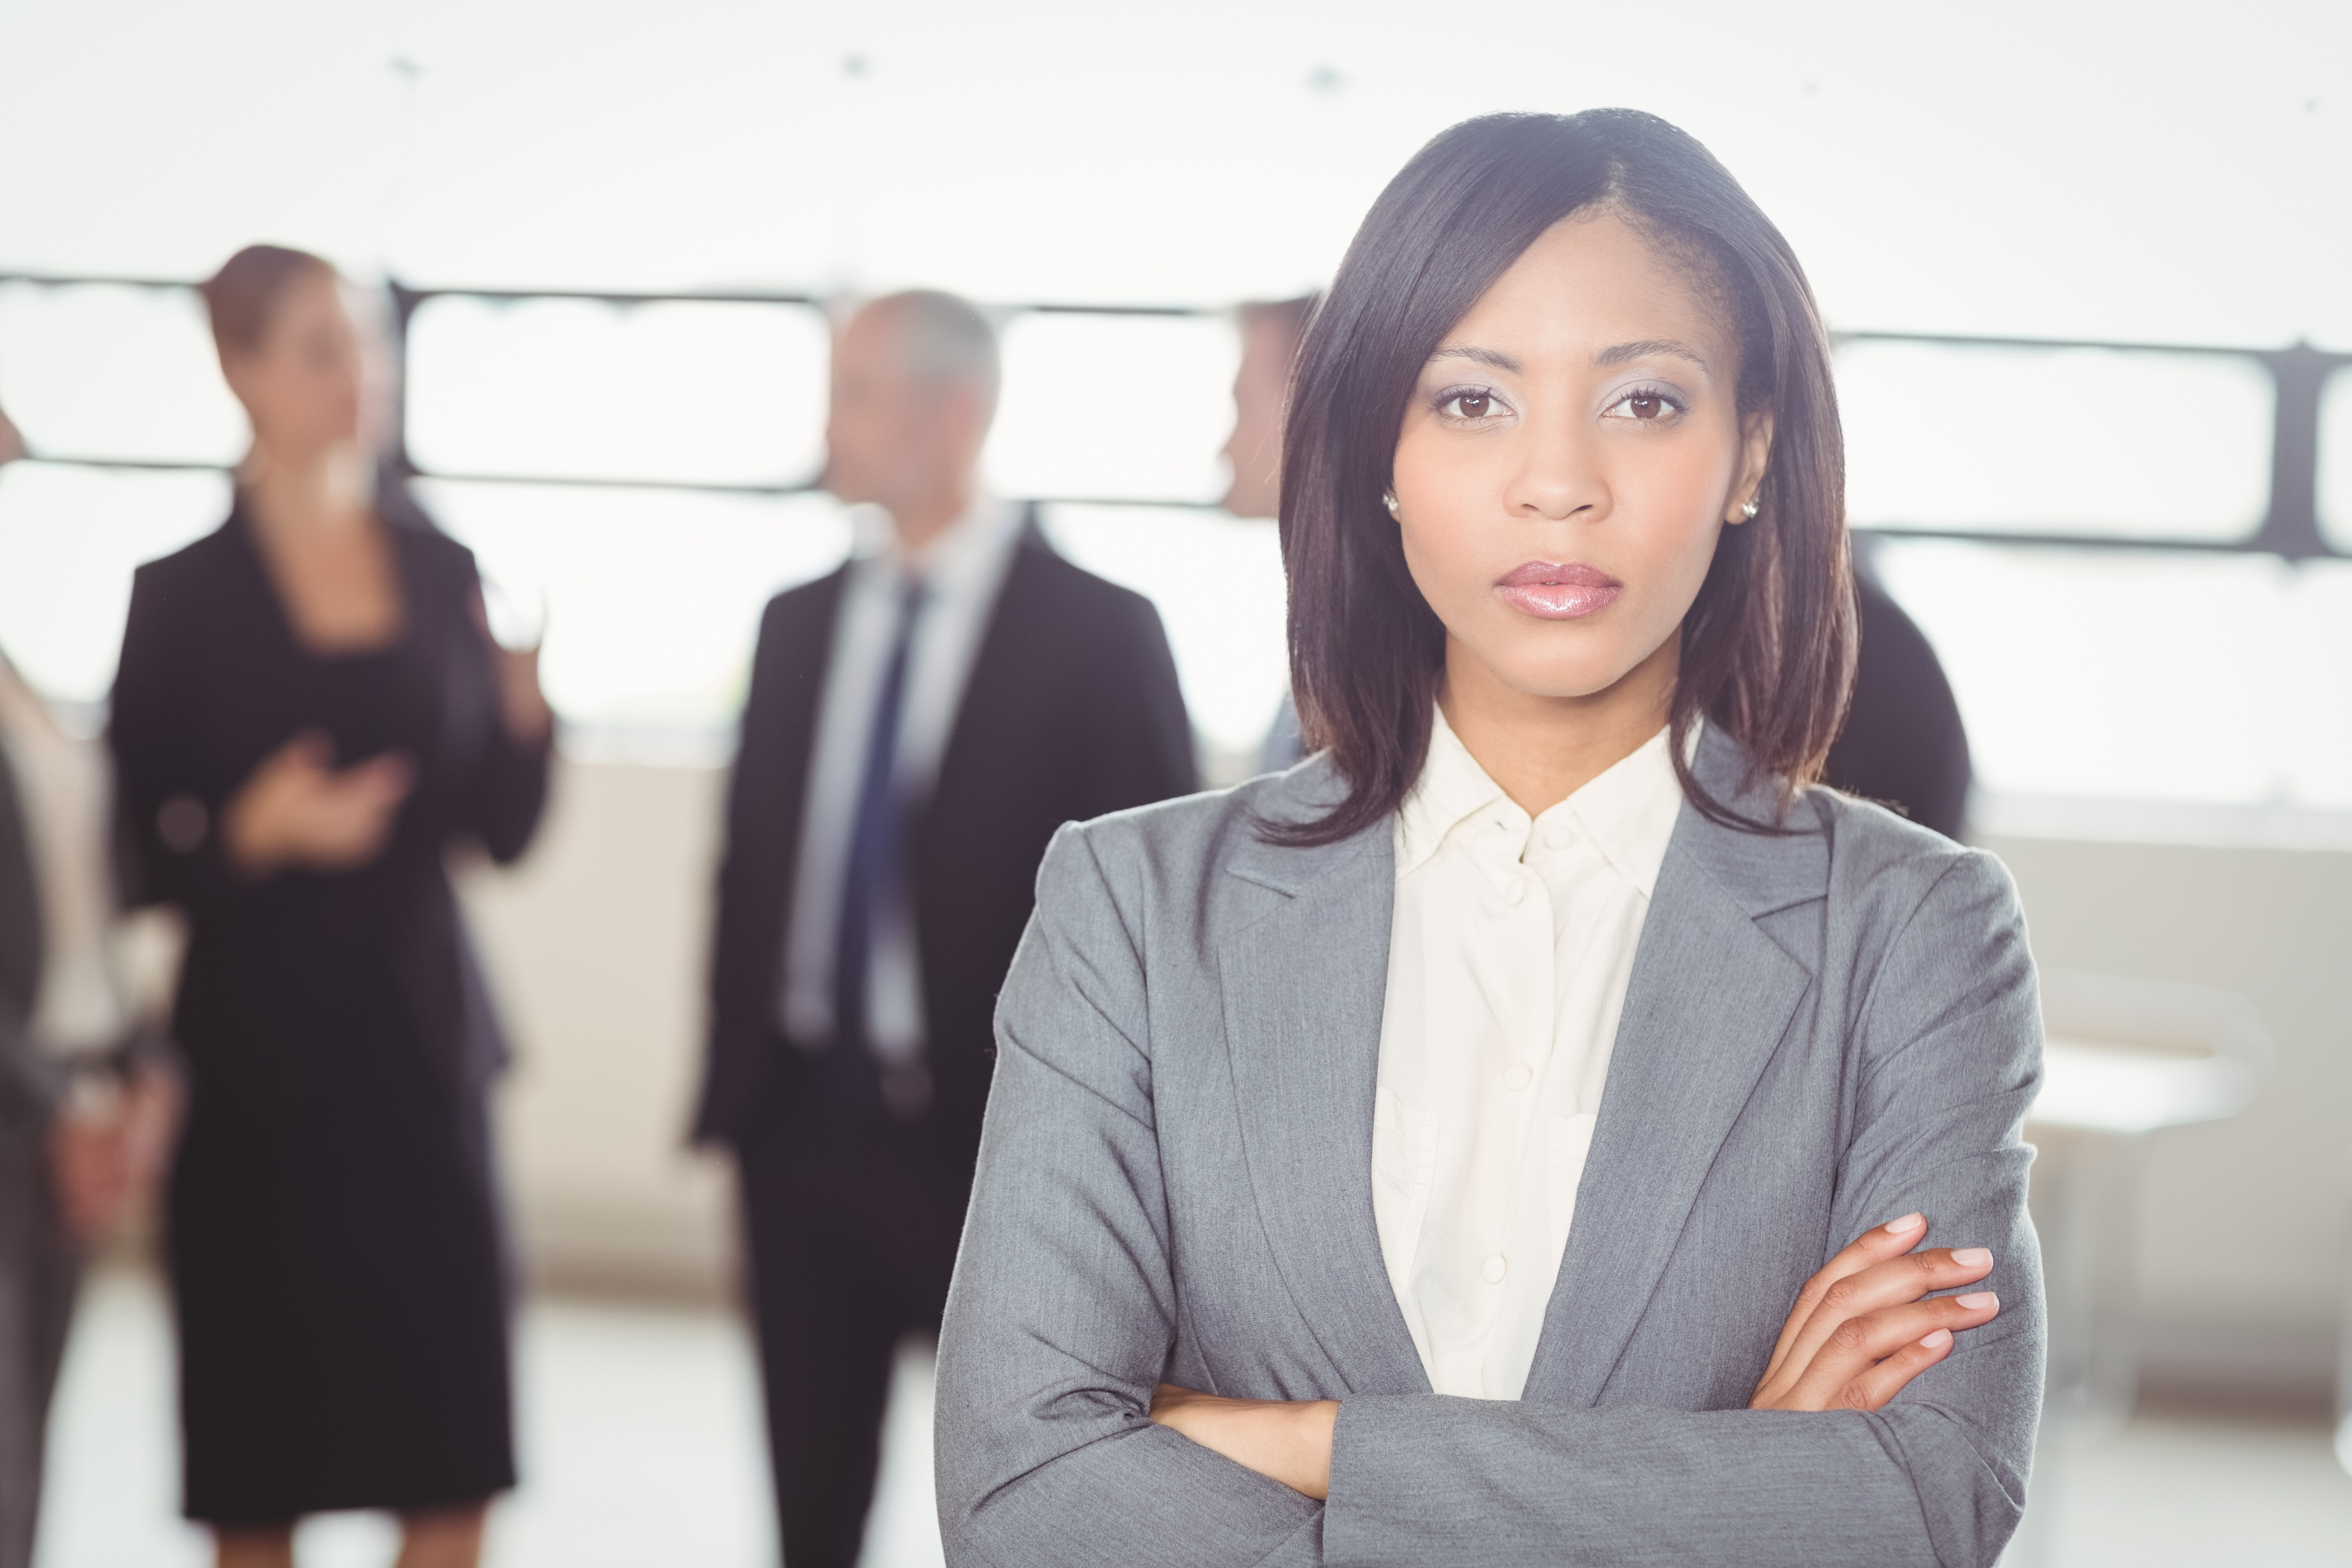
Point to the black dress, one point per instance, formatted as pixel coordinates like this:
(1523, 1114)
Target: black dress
(333, 1231)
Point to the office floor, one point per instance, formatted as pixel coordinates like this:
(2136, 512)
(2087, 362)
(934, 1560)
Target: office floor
(641, 1444)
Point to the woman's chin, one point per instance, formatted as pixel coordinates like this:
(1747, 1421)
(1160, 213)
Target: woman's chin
(1551, 683)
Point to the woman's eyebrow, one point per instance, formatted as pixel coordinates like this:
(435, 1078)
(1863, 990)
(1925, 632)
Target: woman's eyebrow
(1492, 359)
(1648, 348)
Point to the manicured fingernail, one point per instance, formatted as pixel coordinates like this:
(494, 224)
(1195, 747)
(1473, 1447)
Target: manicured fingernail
(1937, 1339)
(1973, 1258)
(1908, 1222)
(1978, 1301)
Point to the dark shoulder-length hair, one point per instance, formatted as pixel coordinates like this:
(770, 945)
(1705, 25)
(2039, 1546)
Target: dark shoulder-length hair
(1767, 646)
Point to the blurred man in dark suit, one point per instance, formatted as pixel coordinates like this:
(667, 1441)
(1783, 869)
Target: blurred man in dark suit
(86, 1098)
(919, 722)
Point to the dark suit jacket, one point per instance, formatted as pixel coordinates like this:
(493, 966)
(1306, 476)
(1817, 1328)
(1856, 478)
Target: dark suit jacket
(24, 1085)
(1903, 745)
(1072, 710)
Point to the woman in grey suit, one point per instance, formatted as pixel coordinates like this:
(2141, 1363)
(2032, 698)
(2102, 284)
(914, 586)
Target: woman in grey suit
(1414, 1157)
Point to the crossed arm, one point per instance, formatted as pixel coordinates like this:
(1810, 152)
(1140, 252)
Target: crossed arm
(1862, 1329)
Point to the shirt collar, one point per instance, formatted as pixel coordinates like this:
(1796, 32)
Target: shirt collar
(1629, 811)
(962, 553)
(1451, 786)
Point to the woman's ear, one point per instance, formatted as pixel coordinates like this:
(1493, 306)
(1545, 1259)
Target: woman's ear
(1755, 457)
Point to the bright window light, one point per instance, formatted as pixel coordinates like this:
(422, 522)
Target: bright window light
(1133, 407)
(652, 598)
(715, 393)
(2147, 446)
(2214, 679)
(68, 541)
(102, 371)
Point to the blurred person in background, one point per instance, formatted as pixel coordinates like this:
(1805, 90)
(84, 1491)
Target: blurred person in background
(86, 1096)
(918, 724)
(309, 712)
(1903, 745)
(1270, 332)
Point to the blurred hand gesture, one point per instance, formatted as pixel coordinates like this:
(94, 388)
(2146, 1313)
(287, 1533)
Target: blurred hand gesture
(522, 706)
(108, 1156)
(299, 810)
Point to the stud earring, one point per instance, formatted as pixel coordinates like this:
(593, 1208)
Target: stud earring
(1388, 499)
(1747, 511)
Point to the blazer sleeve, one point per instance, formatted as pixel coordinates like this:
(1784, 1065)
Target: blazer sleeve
(168, 810)
(505, 792)
(1062, 1314)
(1949, 1042)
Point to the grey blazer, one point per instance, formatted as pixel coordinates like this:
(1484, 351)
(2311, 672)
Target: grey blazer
(1823, 1031)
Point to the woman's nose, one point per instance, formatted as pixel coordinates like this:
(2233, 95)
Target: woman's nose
(1556, 480)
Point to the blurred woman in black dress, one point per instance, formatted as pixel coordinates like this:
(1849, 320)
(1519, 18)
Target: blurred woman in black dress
(310, 710)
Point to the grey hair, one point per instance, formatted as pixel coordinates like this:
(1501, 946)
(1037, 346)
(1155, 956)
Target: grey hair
(946, 340)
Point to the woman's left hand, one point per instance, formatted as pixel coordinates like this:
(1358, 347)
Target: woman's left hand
(1286, 1440)
(523, 707)
(1868, 1324)
(522, 704)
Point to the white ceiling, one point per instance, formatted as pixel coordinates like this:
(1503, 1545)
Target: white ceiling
(2142, 171)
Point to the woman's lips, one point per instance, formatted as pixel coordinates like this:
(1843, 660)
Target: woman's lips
(1558, 593)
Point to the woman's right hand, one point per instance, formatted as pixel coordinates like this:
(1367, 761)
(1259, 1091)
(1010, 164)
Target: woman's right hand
(299, 810)
(1865, 1325)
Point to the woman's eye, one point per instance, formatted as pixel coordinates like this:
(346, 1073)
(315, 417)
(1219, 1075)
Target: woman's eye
(1470, 404)
(1642, 405)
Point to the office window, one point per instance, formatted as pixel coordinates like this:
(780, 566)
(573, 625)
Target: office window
(101, 370)
(2121, 676)
(1129, 406)
(2336, 460)
(69, 537)
(689, 390)
(2080, 441)
(651, 598)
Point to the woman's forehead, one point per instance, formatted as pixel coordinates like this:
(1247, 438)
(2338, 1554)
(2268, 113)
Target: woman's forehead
(1593, 286)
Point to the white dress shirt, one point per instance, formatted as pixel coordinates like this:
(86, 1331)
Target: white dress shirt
(962, 572)
(64, 793)
(1510, 947)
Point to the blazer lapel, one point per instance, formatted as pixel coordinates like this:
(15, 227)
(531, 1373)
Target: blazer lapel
(1710, 999)
(1304, 988)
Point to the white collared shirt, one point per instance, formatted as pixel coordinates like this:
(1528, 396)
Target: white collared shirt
(962, 572)
(1509, 952)
(63, 792)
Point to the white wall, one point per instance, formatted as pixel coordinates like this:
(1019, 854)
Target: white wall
(598, 943)
(2242, 1233)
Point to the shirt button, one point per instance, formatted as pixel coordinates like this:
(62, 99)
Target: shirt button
(1514, 892)
(1520, 1075)
(1493, 1270)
